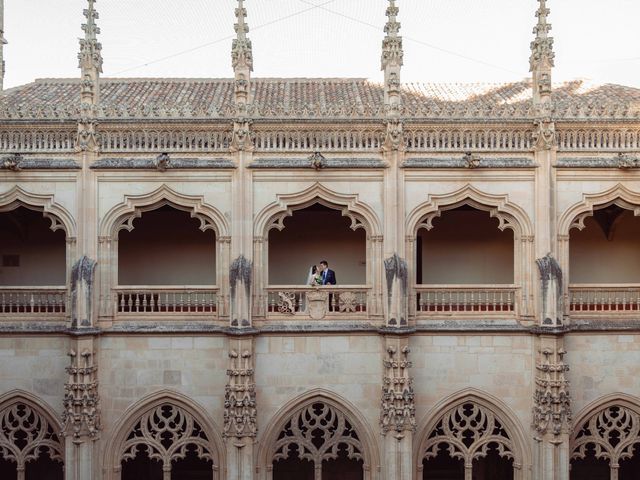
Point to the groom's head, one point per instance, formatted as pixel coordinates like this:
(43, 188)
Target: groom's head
(324, 265)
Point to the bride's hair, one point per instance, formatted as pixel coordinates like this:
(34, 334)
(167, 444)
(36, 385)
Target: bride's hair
(314, 269)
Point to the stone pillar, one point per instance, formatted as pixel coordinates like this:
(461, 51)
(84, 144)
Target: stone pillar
(552, 410)
(397, 415)
(240, 427)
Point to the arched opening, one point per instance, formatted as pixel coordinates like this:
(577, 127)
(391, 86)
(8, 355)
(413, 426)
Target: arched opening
(442, 466)
(610, 236)
(465, 263)
(318, 441)
(299, 283)
(33, 264)
(492, 466)
(167, 440)
(30, 447)
(606, 445)
(167, 264)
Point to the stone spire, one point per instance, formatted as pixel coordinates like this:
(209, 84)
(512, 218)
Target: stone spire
(242, 56)
(392, 56)
(3, 42)
(542, 58)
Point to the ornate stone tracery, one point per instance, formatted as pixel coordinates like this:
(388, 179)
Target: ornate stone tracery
(26, 434)
(240, 397)
(318, 431)
(552, 401)
(81, 414)
(398, 407)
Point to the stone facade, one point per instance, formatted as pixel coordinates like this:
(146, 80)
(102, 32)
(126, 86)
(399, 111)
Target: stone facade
(395, 376)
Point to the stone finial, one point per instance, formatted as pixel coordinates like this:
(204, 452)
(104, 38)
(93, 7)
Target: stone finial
(242, 56)
(90, 56)
(3, 42)
(392, 56)
(542, 57)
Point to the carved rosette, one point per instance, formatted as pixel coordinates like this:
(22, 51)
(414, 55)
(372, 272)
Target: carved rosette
(240, 397)
(398, 411)
(81, 414)
(552, 401)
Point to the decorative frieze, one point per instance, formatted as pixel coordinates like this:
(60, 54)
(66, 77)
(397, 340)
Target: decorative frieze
(240, 397)
(475, 160)
(552, 401)
(398, 409)
(327, 163)
(151, 164)
(81, 413)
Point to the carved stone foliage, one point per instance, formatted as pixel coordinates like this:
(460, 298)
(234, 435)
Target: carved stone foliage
(626, 162)
(318, 432)
(240, 397)
(544, 136)
(552, 401)
(613, 433)
(394, 138)
(87, 138)
(318, 162)
(81, 414)
(167, 433)
(469, 431)
(242, 139)
(12, 162)
(398, 411)
(25, 434)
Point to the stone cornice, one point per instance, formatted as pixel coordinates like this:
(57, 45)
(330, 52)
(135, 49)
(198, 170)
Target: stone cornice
(152, 164)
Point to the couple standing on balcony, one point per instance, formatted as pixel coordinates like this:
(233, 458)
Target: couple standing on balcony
(322, 275)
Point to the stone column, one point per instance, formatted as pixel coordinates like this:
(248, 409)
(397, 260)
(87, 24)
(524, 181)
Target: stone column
(240, 427)
(397, 415)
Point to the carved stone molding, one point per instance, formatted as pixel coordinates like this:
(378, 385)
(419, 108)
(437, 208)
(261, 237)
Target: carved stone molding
(398, 409)
(240, 397)
(552, 401)
(81, 414)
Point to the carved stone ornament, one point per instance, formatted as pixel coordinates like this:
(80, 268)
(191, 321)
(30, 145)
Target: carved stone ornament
(471, 160)
(242, 135)
(398, 411)
(25, 434)
(612, 433)
(12, 162)
(240, 276)
(167, 433)
(316, 433)
(551, 285)
(396, 275)
(162, 162)
(544, 136)
(82, 280)
(318, 161)
(81, 414)
(317, 304)
(394, 138)
(240, 397)
(626, 161)
(468, 432)
(87, 137)
(552, 402)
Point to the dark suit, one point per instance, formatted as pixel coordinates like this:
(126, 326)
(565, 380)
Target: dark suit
(329, 277)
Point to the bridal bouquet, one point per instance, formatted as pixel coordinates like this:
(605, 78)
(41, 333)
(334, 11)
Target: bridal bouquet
(317, 280)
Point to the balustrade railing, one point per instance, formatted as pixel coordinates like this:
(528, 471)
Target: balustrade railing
(166, 300)
(466, 299)
(614, 298)
(317, 302)
(47, 301)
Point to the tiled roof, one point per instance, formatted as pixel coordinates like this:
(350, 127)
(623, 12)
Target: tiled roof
(309, 97)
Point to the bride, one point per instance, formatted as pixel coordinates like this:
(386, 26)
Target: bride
(314, 278)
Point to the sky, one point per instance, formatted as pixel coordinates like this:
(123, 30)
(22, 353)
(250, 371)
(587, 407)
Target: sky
(466, 41)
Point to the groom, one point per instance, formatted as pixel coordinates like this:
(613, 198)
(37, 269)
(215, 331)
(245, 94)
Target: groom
(328, 276)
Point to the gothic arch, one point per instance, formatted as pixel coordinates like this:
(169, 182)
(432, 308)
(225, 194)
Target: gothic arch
(508, 214)
(193, 427)
(59, 216)
(270, 443)
(274, 214)
(442, 425)
(619, 195)
(615, 416)
(122, 216)
(26, 417)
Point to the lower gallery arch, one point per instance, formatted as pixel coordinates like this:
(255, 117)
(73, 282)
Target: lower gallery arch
(472, 438)
(317, 438)
(30, 444)
(164, 437)
(605, 444)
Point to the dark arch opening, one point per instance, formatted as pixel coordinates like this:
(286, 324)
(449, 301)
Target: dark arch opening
(31, 254)
(343, 467)
(630, 468)
(590, 467)
(493, 466)
(293, 467)
(442, 466)
(43, 468)
(8, 470)
(311, 235)
(192, 467)
(141, 467)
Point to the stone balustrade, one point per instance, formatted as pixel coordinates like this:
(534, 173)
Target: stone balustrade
(457, 300)
(166, 300)
(585, 299)
(34, 301)
(294, 301)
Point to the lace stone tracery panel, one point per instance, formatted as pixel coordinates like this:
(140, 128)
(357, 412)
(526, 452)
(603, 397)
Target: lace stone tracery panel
(168, 434)
(316, 433)
(469, 431)
(612, 434)
(26, 436)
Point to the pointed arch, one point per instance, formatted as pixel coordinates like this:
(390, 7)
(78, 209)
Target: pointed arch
(508, 214)
(575, 216)
(497, 424)
(270, 442)
(59, 216)
(274, 214)
(193, 427)
(122, 215)
(615, 416)
(28, 418)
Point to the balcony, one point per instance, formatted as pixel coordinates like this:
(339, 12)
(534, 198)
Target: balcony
(594, 300)
(166, 302)
(50, 303)
(466, 300)
(292, 302)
